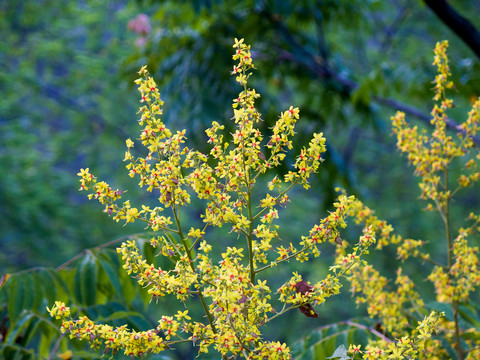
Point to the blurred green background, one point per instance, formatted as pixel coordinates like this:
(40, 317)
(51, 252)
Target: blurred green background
(68, 102)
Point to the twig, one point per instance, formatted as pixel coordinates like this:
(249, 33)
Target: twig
(57, 344)
(107, 244)
(301, 56)
(368, 328)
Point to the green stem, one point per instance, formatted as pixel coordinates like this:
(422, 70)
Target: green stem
(249, 237)
(276, 199)
(190, 260)
(282, 260)
(458, 343)
(249, 206)
(281, 312)
(198, 239)
(144, 219)
(427, 259)
(55, 347)
(446, 217)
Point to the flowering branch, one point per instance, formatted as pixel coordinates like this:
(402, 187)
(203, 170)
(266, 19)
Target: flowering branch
(236, 302)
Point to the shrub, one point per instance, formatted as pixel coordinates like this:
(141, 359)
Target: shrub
(456, 277)
(234, 293)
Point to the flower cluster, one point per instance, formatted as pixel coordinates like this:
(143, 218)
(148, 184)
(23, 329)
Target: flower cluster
(454, 278)
(432, 155)
(237, 302)
(406, 347)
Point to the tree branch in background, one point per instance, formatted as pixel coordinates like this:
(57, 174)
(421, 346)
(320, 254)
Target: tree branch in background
(302, 57)
(391, 30)
(457, 23)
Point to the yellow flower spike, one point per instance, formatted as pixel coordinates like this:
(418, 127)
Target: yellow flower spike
(143, 70)
(236, 300)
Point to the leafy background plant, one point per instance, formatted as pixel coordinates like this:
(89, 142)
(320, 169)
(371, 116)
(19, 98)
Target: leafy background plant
(64, 75)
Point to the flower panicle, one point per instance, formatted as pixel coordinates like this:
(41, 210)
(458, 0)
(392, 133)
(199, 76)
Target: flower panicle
(237, 303)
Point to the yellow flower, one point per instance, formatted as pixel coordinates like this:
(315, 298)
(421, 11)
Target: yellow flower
(131, 215)
(182, 315)
(143, 70)
(238, 43)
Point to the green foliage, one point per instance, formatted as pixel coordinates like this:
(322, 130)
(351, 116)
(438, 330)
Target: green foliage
(94, 281)
(232, 289)
(55, 95)
(322, 342)
(346, 64)
(454, 273)
(312, 53)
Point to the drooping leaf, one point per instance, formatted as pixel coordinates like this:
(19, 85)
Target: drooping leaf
(18, 326)
(61, 280)
(119, 315)
(38, 292)
(111, 272)
(15, 352)
(15, 301)
(340, 353)
(47, 282)
(85, 280)
(325, 341)
(468, 313)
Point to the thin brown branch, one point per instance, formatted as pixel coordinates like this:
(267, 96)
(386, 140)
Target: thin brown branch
(301, 56)
(102, 246)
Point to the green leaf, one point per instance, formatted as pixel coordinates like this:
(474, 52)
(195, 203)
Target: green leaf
(85, 354)
(18, 327)
(85, 281)
(320, 343)
(38, 292)
(148, 252)
(112, 273)
(362, 94)
(28, 294)
(129, 289)
(471, 335)
(77, 284)
(32, 329)
(15, 352)
(62, 278)
(89, 280)
(469, 315)
(45, 279)
(441, 307)
(340, 353)
(119, 315)
(139, 323)
(17, 292)
(45, 344)
(112, 256)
